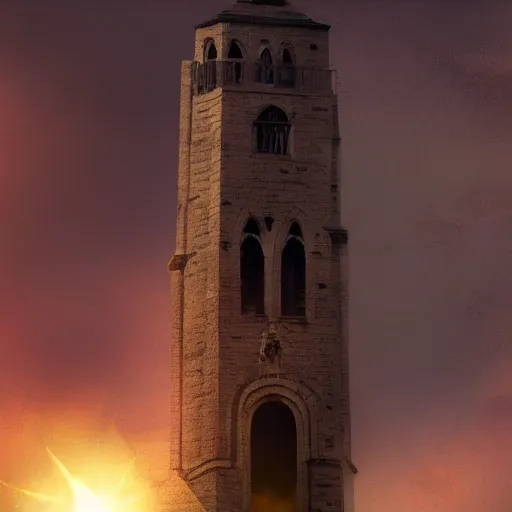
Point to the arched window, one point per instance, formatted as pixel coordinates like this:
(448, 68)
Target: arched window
(210, 58)
(265, 70)
(272, 131)
(252, 270)
(210, 51)
(286, 69)
(236, 57)
(293, 274)
(234, 51)
(252, 228)
(287, 57)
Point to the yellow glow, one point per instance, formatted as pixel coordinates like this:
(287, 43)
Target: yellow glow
(83, 498)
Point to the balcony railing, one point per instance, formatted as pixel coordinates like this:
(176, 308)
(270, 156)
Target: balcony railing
(223, 73)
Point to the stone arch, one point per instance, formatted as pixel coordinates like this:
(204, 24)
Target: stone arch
(237, 239)
(287, 48)
(235, 58)
(302, 401)
(241, 222)
(209, 66)
(265, 69)
(272, 131)
(308, 231)
(281, 237)
(286, 71)
(265, 46)
(293, 273)
(280, 107)
(252, 270)
(236, 49)
(209, 50)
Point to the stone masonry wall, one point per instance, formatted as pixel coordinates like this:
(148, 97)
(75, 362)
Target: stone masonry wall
(201, 290)
(222, 183)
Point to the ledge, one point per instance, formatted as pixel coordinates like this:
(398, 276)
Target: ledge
(178, 262)
(205, 467)
(293, 319)
(325, 462)
(339, 236)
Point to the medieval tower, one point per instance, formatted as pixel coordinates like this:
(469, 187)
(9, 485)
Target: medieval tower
(260, 387)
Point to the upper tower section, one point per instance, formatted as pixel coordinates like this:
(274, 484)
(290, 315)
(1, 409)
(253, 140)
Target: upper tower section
(259, 44)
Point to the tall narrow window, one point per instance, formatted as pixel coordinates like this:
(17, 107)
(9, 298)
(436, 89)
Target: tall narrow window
(265, 70)
(236, 58)
(252, 270)
(286, 69)
(293, 274)
(272, 131)
(287, 57)
(210, 66)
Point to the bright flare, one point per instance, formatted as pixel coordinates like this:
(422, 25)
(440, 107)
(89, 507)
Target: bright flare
(84, 499)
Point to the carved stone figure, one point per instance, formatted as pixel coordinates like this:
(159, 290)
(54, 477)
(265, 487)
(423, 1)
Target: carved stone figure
(270, 348)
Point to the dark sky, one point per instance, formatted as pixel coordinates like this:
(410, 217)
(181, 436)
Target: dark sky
(88, 152)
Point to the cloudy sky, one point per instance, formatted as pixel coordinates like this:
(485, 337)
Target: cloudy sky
(88, 151)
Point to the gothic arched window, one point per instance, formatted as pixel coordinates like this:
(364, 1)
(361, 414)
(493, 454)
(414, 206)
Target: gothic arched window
(210, 51)
(236, 57)
(287, 57)
(210, 58)
(286, 69)
(252, 270)
(265, 70)
(272, 131)
(293, 274)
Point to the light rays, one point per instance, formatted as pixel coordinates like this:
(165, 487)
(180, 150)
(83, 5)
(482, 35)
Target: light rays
(84, 499)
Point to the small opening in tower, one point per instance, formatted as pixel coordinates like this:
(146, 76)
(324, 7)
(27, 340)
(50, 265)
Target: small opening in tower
(272, 131)
(210, 67)
(211, 53)
(273, 458)
(252, 227)
(252, 271)
(295, 230)
(235, 56)
(287, 57)
(265, 69)
(287, 69)
(293, 274)
(269, 221)
(234, 51)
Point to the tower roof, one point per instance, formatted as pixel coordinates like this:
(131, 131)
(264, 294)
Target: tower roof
(264, 12)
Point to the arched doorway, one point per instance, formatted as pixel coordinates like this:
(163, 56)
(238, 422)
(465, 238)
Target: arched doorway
(273, 458)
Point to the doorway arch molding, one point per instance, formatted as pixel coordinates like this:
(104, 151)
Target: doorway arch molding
(302, 401)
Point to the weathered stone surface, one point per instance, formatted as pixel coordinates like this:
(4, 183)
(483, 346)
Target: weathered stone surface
(217, 376)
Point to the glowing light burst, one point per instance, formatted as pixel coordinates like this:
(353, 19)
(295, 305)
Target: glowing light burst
(84, 499)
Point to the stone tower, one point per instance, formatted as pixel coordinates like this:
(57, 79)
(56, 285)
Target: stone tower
(260, 388)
